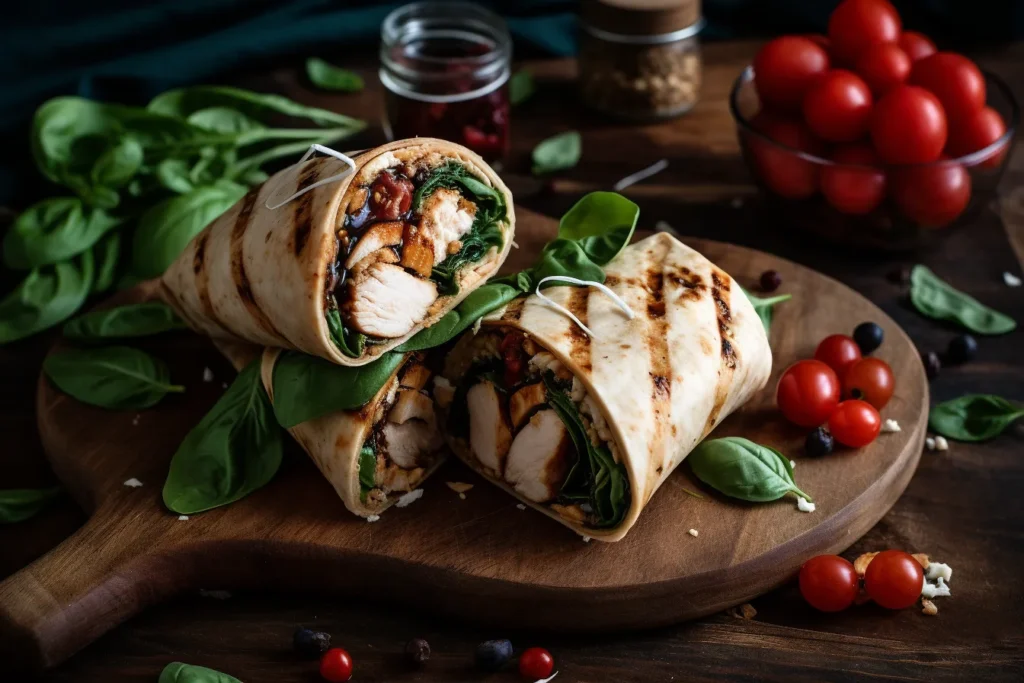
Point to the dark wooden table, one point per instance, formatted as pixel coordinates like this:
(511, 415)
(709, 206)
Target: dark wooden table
(964, 506)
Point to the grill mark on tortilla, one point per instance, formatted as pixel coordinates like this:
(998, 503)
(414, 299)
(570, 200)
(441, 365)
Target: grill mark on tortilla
(661, 363)
(691, 285)
(579, 350)
(303, 216)
(202, 278)
(238, 274)
(721, 287)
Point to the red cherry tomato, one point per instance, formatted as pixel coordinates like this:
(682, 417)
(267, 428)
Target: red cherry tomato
(808, 392)
(839, 352)
(871, 380)
(856, 25)
(838, 106)
(858, 185)
(976, 132)
(536, 663)
(955, 80)
(828, 583)
(894, 579)
(785, 68)
(336, 665)
(819, 40)
(883, 66)
(855, 423)
(916, 45)
(780, 169)
(908, 126)
(932, 195)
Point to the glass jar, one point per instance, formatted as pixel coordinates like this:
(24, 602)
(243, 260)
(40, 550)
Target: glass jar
(641, 61)
(445, 69)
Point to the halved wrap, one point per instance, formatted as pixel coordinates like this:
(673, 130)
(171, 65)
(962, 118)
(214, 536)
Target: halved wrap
(352, 268)
(586, 429)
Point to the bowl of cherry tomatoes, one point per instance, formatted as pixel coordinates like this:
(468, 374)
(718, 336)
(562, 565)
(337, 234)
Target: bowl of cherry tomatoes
(871, 135)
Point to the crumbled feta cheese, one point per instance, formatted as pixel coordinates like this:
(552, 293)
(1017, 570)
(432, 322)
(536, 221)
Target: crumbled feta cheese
(409, 498)
(938, 570)
(586, 539)
(133, 483)
(207, 375)
(929, 443)
(586, 507)
(1011, 280)
(182, 518)
(939, 589)
(792, 463)
(216, 594)
(890, 426)
(373, 518)
(803, 506)
(941, 444)
(693, 532)
(520, 506)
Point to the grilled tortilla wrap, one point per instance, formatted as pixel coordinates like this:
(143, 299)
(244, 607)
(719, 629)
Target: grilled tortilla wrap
(353, 268)
(372, 455)
(586, 429)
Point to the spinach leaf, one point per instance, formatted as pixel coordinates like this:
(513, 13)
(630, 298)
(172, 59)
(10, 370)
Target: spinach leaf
(17, 505)
(937, 299)
(330, 77)
(557, 153)
(520, 87)
(223, 120)
(115, 377)
(173, 174)
(743, 469)
(306, 387)
(45, 297)
(349, 342)
(106, 256)
(234, 450)
(54, 230)
(185, 101)
(116, 166)
(176, 672)
(764, 307)
(602, 223)
(367, 469)
(132, 320)
(166, 228)
(975, 417)
(480, 302)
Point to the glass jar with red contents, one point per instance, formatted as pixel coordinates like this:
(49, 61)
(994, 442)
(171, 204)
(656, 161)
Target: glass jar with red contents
(445, 69)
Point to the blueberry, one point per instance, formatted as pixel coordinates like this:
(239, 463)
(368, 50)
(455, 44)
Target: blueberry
(819, 443)
(493, 655)
(770, 281)
(961, 349)
(417, 651)
(868, 337)
(310, 643)
(932, 364)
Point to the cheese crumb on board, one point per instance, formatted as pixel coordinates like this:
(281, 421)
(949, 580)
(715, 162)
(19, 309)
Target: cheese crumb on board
(939, 589)
(792, 463)
(520, 506)
(1011, 280)
(929, 443)
(803, 506)
(182, 518)
(586, 539)
(133, 483)
(207, 375)
(693, 532)
(891, 426)
(941, 444)
(409, 498)
(938, 570)
(373, 518)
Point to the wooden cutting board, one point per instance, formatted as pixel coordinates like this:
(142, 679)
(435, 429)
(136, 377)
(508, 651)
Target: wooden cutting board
(480, 558)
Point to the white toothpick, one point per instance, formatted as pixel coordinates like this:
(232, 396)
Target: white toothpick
(587, 283)
(324, 181)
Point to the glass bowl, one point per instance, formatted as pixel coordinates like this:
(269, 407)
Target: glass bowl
(920, 204)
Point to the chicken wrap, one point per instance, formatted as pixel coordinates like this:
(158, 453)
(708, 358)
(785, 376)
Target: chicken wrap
(584, 419)
(347, 269)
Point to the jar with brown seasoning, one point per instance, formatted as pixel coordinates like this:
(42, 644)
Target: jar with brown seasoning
(640, 59)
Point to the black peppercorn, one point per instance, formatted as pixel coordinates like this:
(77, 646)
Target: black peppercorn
(770, 281)
(868, 336)
(932, 364)
(819, 443)
(961, 349)
(417, 651)
(310, 643)
(493, 655)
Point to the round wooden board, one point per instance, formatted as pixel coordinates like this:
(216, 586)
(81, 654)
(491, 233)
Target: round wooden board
(480, 558)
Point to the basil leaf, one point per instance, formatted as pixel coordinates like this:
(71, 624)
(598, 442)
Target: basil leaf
(132, 320)
(17, 505)
(743, 469)
(349, 342)
(176, 672)
(106, 256)
(602, 223)
(165, 229)
(557, 153)
(115, 377)
(306, 387)
(367, 470)
(118, 164)
(45, 297)
(520, 87)
(54, 230)
(330, 77)
(764, 307)
(480, 302)
(234, 450)
(975, 417)
(937, 299)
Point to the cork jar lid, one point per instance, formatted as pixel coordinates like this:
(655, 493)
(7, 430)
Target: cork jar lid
(640, 17)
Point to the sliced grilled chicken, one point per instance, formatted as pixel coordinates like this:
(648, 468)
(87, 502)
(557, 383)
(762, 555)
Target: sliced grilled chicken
(375, 237)
(447, 216)
(522, 403)
(398, 479)
(489, 435)
(415, 376)
(540, 458)
(407, 444)
(412, 405)
(385, 301)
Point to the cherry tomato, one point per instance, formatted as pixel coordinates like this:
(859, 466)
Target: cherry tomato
(336, 665)
(856, 25)
(894, 579)
(854, 423)
(932, 195)
(976, 132)
(785, 68)
(829, 583)
(838, 106)
(908, 126)
(858, 185)
(808, 392)
(883, 66)
(955, 80)
(839, 352)
(916, 45)
(820, 40)
(869, 379)
(780, 169)
(536, 663)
